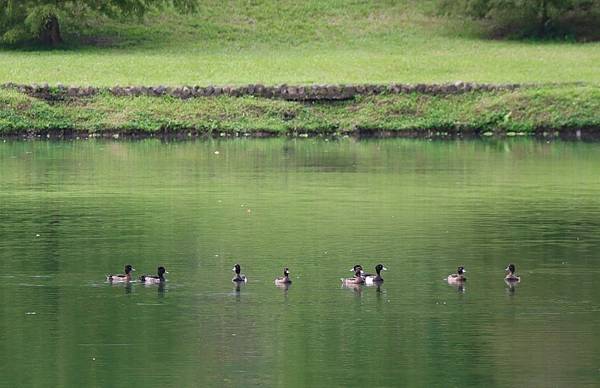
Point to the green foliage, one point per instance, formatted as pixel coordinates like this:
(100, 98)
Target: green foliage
(27, 19)
(571, 19)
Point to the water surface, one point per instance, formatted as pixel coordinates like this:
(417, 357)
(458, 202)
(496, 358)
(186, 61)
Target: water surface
(74, 211)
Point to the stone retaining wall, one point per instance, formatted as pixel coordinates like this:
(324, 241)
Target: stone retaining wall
(286, 92)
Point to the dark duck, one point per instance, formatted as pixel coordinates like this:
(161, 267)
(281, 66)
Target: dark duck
(239, 277)
(154, 279)
(371, 279)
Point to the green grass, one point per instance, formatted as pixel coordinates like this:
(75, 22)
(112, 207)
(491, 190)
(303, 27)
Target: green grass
(523, 110)
(285, 41)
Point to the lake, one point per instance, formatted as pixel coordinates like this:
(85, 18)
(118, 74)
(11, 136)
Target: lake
(74, 211)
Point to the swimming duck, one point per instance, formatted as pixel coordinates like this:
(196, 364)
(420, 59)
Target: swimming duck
(152, 279)
(126, 277)
(357, 279)
(457, 277)
(285, 279)
(511, 276)
(238, 277)
(374, 279)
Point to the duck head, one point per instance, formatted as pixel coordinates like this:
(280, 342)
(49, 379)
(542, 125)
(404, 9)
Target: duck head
(286, 272)
(358, 270)
(461, 270)
(379, 268)
(236, 268)
(510, 269)
(161, 272)
(128, 269)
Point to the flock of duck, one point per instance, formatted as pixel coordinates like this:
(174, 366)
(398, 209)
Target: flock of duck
(147, 279)
(360, 276)
(459, 277)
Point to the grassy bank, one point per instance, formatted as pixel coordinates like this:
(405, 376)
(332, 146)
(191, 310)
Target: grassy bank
(528, 110)
(271, 42)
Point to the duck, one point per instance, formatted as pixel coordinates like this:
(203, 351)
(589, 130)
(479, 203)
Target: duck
(154, 279)
(357, 279)
(457, 277)
(126, 277)
(238, 277)
(511, 276)
(371, 279)
(285, 279)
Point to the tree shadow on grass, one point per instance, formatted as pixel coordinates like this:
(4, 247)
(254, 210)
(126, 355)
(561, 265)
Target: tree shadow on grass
(81, 42)
(567, 27)
(103, 33)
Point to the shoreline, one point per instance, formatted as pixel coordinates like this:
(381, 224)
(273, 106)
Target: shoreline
(563, 111)
(585, 134)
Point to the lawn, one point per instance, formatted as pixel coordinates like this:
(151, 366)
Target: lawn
(274, 42)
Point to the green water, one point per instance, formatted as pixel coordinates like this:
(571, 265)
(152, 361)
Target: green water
(73, 211)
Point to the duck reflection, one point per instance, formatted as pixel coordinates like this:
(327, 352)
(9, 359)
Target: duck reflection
(127, 286)
(284, 286)
(161, 289)
(357, 288)
(377, 286)
(511, 286)
(237, 290)
(237, 287)
(460, 287)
